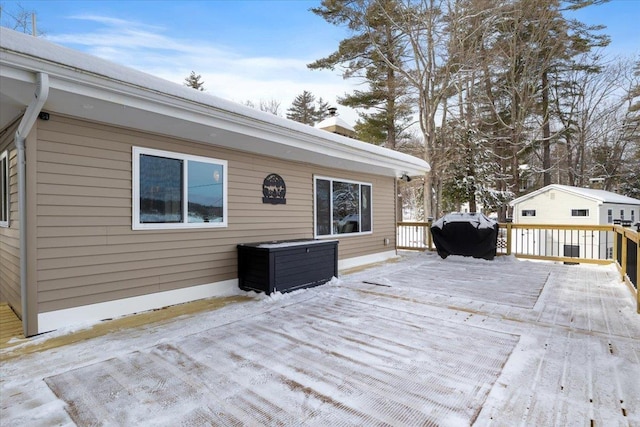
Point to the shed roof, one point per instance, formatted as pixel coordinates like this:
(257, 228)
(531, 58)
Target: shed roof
(600, 196)
(84, 86)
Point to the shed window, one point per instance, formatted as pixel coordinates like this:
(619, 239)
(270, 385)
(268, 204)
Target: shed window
(4, 189)
(342, 207)
(172, 190)
(610, 216)
(528, 212)
(579, 212)
(621, 213)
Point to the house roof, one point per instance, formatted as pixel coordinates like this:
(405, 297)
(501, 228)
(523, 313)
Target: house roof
(91, 88)
(600, 196)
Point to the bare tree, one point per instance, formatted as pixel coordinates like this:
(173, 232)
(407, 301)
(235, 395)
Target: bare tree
(19, 19)
(268, 106)
(580, 97)
(421, 27)
(613, 130)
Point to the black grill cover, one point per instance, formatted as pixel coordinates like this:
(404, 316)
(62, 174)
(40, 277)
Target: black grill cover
(467, 234)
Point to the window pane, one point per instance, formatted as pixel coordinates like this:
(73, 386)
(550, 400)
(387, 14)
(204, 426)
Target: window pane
(160, 189)
(323, 207)
(346, 205)
(205, 194)
(365, 203)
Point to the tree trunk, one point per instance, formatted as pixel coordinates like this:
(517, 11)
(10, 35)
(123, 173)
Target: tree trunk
(546, 131)
(428, 196)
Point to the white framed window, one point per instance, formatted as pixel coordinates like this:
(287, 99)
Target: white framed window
(621, 213)
(342, 207)
(4, 189)
(633, 215)
(174, 190)
(610, 216)
(528, 212)
(579, 212)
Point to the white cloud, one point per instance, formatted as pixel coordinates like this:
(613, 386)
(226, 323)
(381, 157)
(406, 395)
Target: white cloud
(225, 72)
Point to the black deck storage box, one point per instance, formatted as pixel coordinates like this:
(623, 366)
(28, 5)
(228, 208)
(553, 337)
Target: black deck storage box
(286, 265)
(467, 234)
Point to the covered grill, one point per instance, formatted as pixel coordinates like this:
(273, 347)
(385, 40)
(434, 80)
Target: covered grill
(467, 234)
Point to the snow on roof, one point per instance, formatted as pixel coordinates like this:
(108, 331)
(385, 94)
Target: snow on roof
(601, 196)
(334, 121)
(72, 70)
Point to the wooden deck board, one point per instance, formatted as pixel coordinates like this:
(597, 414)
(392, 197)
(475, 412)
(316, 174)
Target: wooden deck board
(14, 334)
(10, 326)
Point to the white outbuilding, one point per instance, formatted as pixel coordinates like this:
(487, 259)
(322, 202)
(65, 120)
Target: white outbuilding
(564, 204)
(568, 208)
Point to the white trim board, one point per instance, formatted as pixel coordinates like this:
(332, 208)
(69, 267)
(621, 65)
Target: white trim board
(57, 319)
(92, 313)
(348, 263)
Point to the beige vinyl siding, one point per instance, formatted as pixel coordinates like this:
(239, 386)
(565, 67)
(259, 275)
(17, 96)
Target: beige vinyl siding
(10, 244)
(88, 253)
(10, 236)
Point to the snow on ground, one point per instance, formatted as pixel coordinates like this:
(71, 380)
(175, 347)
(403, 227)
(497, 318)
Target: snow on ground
(422, 341)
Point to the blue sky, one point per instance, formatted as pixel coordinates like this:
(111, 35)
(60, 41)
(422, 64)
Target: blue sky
(244, 50)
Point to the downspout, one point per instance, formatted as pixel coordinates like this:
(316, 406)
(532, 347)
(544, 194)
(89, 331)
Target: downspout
(25, 126)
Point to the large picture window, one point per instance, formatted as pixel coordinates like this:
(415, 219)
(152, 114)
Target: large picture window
(4, 189)
(342, 207)
(172, 190)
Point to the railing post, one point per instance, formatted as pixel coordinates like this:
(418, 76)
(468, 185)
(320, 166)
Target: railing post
(509, 224)
(623, 265)
(428, 231)
(638, 271)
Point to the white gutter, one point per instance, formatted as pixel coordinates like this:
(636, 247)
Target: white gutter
(29, 118)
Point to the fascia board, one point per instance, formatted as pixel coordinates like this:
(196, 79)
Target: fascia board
(557, 188)
(526, 197)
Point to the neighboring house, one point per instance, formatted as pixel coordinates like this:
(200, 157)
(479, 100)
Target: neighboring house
(122, 192)
(563, 204)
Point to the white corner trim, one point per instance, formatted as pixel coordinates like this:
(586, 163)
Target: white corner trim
(52, 320)
(348, 263)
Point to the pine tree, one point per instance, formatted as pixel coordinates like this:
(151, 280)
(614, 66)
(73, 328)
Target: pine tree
(303, 109)
(371, 55)
(194, 81)
(322, 110)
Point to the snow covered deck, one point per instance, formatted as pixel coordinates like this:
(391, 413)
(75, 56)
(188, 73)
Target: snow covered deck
(422, 341)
